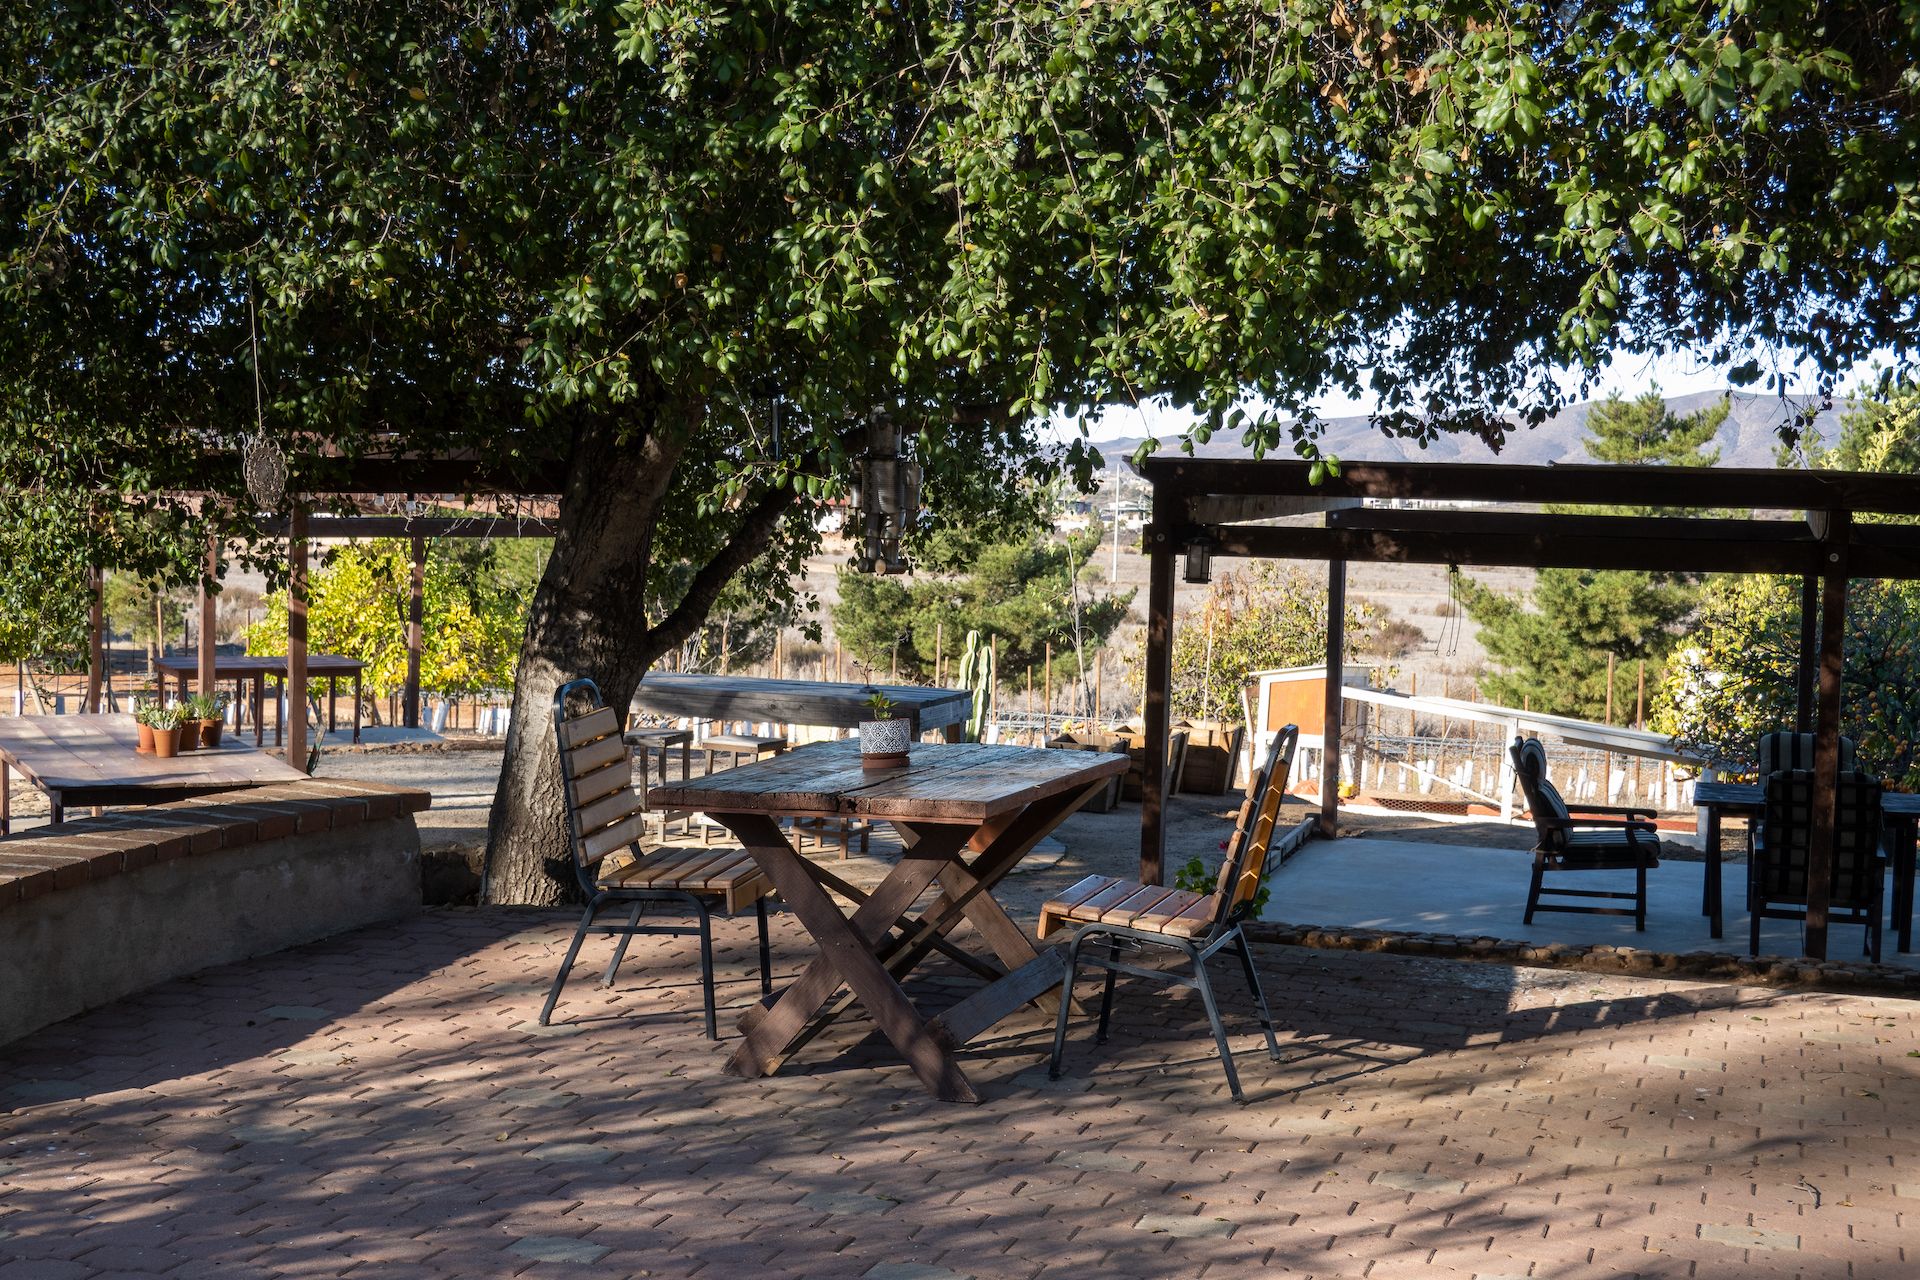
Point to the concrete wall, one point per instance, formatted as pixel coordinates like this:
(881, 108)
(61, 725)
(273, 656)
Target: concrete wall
(70, 950)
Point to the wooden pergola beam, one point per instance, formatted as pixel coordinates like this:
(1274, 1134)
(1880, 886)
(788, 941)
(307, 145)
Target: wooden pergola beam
(1586, 484)
(422, 526)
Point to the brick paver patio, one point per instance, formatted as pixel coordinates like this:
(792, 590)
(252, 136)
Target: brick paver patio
(383, 1105)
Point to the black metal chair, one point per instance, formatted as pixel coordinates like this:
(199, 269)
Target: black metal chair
(1782, 849)
(1577, 838)
(1125, 912)
(606, 815)
(1785, 749)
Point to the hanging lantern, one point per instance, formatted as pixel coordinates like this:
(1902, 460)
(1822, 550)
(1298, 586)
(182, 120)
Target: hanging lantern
(1199, 568)
(886, 499)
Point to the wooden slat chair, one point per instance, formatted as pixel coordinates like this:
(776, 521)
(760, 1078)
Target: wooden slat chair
(1782, 852)
(1573, 838)
(1125, 912)
(605, 815)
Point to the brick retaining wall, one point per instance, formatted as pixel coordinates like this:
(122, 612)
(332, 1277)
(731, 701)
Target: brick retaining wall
(97, 908)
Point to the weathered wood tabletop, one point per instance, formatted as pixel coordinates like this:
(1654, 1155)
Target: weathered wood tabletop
(95, 760)
(254, 668)
(966, 815)
(821, 703)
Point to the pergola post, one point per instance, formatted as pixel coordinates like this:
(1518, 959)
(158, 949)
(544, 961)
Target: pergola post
(1158, 688)
(208, 603)
(1336, 668)
(416, 604)
(1806, 674)
(1826, 736)
(96, 639)
(296, 688)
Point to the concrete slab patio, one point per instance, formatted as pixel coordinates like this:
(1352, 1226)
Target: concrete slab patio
(1405, 885)
(383, 1104)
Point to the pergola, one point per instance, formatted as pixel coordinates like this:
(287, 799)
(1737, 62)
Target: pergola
(1206, 507)
(351, 482)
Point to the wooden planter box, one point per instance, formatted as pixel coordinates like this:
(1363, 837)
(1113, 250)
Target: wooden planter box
(1212, 752)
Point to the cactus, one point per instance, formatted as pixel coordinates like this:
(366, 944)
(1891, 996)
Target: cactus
(977, 674)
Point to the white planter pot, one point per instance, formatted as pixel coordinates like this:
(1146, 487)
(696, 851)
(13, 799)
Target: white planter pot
(885, 737)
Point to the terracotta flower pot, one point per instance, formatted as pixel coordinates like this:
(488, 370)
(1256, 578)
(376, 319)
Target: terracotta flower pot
(210, 731)
(166, 742)
(146, 738)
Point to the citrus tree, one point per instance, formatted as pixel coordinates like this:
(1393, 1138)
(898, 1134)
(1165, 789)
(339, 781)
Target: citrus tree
(1256, 619)
(1736, 676)
(357, 606)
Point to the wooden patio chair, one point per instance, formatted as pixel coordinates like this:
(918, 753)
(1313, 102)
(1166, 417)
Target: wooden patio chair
(1125, 912)
(605, 815)
(1582, 838)
(1782, 849)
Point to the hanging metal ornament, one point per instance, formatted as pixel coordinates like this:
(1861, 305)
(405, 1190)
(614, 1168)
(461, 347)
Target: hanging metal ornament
(886, 498)
(265, 468)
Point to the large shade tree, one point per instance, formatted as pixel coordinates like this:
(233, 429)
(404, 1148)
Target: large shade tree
(613, 235)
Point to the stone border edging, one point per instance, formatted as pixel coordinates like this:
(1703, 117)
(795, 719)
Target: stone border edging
(65, 856)
(1770, 971)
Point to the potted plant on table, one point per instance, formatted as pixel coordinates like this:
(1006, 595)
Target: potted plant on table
(143, 720)
(885, 735)
(166, 722)
(207, 714)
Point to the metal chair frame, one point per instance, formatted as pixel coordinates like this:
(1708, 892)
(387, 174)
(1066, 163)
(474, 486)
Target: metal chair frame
(599, 898)
(1227, 931)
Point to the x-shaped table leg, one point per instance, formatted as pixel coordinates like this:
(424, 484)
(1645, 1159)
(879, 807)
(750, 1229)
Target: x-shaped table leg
(847, 955)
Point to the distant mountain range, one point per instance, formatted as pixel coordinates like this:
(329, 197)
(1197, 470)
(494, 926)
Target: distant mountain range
(1748, 438)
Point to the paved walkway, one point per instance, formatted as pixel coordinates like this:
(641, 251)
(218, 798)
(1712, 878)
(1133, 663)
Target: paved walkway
(382, 1105)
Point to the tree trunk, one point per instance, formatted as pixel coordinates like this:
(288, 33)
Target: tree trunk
(588, 620)
(585, 622)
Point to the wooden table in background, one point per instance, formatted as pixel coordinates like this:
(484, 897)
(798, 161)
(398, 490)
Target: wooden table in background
(94, 760)
(1899, 811)
(242, 668)
(967, 814)
(818, 703)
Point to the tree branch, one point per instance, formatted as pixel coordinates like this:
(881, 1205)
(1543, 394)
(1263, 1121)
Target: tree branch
(754, 533)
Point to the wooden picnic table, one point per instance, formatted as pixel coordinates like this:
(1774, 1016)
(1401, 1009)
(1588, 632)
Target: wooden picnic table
(966, 814)
(254, 668)
(818, 703)
(94, 760)
(1900, 810)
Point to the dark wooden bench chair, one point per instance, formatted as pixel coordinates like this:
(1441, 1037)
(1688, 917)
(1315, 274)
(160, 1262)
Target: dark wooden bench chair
(1782, 850)
(1582, 838)
(605, 815)
(1127, 913)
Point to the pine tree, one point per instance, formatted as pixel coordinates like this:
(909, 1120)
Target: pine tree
(1645, 430)
(1551, 649)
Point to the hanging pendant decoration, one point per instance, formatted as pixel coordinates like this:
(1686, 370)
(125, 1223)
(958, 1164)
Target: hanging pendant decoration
(265, 469)
(264, 466)
(886, 499)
